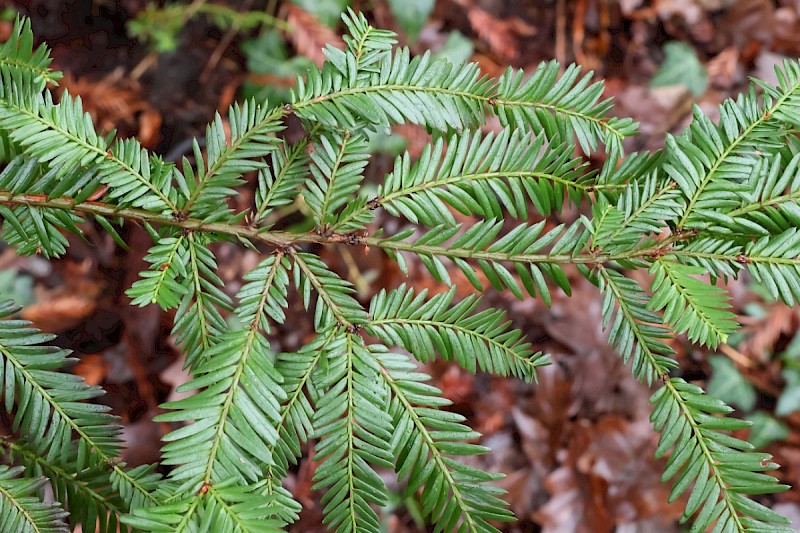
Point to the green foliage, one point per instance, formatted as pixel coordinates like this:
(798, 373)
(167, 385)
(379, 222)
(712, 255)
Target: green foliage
(252, 131)
(729, 385)
(721, 468)
(328, 11)
(16, 286)
(681, 67)
(691, 306)
(19, 60)
(411, 15)
(160, 26)
(278, 182)
(268, 54)
(720, 200)
(354, 432)
(473, 170)
(20, 507)
(766, 429)
(476, 340)
(337, 168)
(789, 399)
(425, 435)
(74, 440)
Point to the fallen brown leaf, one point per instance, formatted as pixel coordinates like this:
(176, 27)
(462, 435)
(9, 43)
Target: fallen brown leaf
(309, 35)
(765, 333)
(59, 312)
(115, 102)
(92, 367)
(502, 35)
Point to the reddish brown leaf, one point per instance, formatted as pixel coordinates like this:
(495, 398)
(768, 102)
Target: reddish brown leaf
(92, 367)
(116, 102)
(765, 333)
(502, 35)
(60, 311)
(310, 36)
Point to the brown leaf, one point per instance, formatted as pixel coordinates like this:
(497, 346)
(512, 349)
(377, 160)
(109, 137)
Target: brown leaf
(489, 65)
(606, 479)
(60, 312)
(765, 333)
(271, 79)
(502, 35)
(750, 20)
(456, 384)
(491, 408)
(6, 27)
(309, 35)
(149, 128)
(142, 440)
(116, 102)
(724, 70)
(92, 367)
(567, 510)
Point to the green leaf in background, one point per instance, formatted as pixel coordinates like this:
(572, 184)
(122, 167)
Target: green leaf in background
(456, 49)
(383, 140)
(16, 286)
(267, 55)
(681, 67)
(329, 12)
(766, 429)
(8, 14)
(791, 355)
(411, 15)
(789, 400)
(151, 26)
(729, 385)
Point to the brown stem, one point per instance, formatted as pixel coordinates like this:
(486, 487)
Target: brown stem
(286, 240)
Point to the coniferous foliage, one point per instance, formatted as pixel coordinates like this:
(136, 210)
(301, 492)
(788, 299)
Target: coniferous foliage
(721, 199)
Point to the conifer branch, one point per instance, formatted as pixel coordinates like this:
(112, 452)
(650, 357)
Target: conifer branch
(87, 495)
(253, 128)
(21, 508)
(48, 139)
(722, 199)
